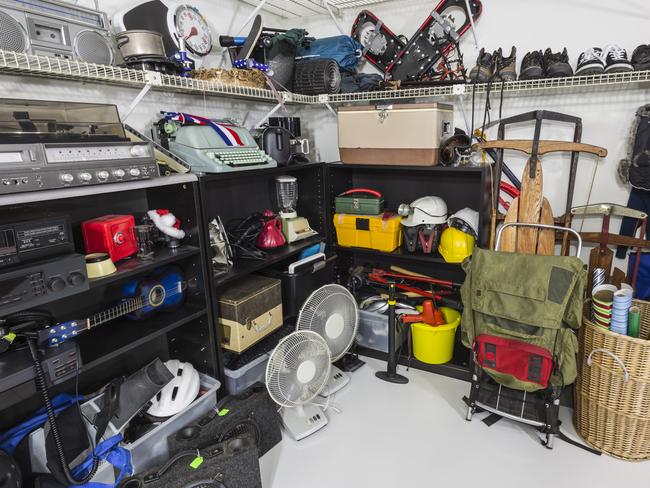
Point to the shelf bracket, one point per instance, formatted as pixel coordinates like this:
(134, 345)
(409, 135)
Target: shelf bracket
(251, 16)
(331, 109)
(327, 5)
(471, 20)
(137, 100)
(269, 114)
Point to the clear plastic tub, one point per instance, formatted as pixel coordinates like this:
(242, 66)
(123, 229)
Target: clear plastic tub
(373, 332)
(151, 450)
(237, 380)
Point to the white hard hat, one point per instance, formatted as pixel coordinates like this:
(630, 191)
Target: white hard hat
(426, 211)
(179, 393)
(465, 220)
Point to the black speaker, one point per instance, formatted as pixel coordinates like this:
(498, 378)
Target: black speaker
(251, 412)
(230, 464)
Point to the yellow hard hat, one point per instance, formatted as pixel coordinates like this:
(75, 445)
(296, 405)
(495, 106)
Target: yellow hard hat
(456, 245)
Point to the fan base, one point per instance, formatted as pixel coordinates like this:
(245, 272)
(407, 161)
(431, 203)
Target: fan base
(302, 421)
(392, 378)
(350, 362)
(338, 379)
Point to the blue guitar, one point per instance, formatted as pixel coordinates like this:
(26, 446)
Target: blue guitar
(163, 291)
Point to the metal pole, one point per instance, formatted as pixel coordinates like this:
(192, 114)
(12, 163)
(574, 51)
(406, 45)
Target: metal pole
(251, 16)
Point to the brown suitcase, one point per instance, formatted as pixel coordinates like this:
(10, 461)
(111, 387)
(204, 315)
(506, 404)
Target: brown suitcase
(404, 134)
(249, 311)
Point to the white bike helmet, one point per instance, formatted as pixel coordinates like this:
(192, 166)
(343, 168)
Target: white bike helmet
(179, 393)
(424, 211)
(465, 220)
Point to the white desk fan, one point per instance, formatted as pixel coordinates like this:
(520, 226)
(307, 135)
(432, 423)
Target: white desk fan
(332, 313)
(298, 369)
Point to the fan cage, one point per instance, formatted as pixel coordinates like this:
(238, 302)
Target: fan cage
(311, 317)
(291, 352)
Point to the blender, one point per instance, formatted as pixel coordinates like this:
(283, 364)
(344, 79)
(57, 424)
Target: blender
(294, 228)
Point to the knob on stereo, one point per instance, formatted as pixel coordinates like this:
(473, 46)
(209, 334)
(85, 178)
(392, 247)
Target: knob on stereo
(118, 173)
(103, 175)
(139, 151)
(119, 238)
(66, 178)
(134, 172)
(76, 279)
(56, 284)
(85, 176)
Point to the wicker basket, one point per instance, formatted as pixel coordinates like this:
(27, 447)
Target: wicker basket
(612, 404)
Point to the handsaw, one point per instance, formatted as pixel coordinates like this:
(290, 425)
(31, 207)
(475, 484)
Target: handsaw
(531, 206)
(602, 256)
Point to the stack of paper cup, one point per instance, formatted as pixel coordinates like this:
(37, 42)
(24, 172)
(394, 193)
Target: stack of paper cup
(601, 304)
(620, 308)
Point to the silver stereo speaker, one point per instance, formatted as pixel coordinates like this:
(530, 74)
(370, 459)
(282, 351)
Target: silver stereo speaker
(54, 28)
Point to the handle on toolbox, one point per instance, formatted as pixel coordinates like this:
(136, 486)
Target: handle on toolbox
(368, 191)
(539, 226)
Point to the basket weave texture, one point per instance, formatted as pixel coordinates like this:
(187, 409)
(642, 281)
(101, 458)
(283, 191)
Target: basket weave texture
(612, 409)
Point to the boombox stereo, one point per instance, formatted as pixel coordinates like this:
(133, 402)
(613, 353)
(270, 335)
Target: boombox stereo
(55, 28)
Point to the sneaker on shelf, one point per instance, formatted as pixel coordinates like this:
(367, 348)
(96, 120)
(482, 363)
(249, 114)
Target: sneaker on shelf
(482, 72)
(506, 68)
(616, 60)
(532, 66)
(557, 64)
(641, 57)
(590, 62)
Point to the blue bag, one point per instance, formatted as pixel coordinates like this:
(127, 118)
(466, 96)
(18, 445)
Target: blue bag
(342, 49)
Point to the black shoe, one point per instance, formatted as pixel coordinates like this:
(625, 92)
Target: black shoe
(506, 68)
(532, 66)
(482, 72)
(641, 57)
(557, 64)
(616, 59)
(591, 62)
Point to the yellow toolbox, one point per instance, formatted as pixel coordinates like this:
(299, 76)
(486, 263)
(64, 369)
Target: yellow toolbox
(380, 232)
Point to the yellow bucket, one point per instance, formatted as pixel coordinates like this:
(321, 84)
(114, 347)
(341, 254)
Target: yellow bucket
(435, 345)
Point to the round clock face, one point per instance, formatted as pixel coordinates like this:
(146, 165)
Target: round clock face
(191, 26)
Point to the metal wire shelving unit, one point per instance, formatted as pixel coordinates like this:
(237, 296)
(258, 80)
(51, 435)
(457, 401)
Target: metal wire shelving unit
(64, 69)
(291, 9)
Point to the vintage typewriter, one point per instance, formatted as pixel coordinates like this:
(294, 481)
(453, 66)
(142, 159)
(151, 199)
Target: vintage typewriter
(211, 145)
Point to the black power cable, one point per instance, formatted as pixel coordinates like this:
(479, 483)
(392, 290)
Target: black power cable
(39, 319)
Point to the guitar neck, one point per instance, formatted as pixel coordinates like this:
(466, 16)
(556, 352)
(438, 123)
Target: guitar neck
(124, 308)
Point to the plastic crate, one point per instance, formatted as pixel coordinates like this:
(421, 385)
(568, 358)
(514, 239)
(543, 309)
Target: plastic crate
(373, 332)
(151, 450)
(239, 379)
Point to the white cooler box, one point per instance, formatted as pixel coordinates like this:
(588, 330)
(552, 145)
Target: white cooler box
(405, 134)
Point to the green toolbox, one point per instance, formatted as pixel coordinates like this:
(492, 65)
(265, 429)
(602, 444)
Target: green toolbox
(359, 201)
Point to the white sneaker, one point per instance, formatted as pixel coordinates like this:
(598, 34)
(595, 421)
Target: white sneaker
(616, 61)
(590, 62)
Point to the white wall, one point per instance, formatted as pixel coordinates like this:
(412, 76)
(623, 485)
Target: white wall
(533, 24)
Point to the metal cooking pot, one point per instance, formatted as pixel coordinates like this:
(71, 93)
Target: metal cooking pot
(140, 43)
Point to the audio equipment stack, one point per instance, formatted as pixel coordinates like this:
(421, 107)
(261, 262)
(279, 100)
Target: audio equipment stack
(51, 145)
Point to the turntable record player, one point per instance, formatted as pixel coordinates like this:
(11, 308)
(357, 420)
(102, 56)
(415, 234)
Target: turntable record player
(50, 145)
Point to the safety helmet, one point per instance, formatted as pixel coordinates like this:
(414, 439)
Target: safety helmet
(465, 220)
(456, 245)
(179, 393)
(424, 211)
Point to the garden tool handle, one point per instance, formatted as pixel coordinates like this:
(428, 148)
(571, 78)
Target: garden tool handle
(544, 147)
(626, 375)
(539, 226)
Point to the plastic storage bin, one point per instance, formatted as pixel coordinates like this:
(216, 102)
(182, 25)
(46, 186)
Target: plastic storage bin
(435, 345)
(297, 287)
(239, 379)
(381, 232)
(150, 450)
(373, 332)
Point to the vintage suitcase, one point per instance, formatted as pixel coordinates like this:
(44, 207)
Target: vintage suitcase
(405, 134)
(249, 310)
